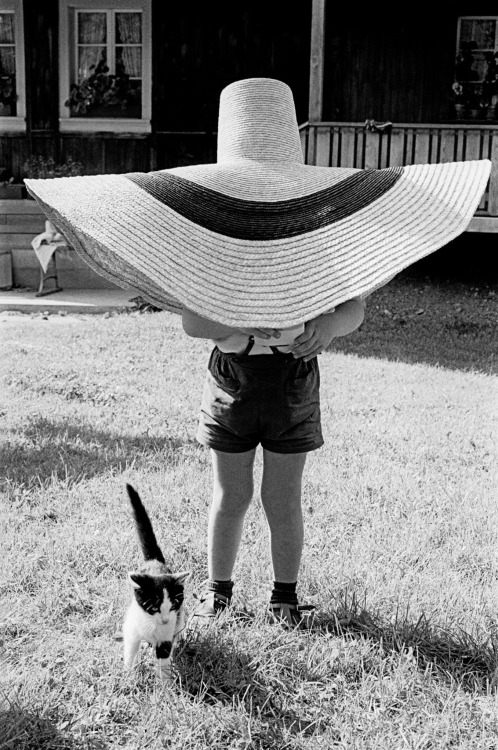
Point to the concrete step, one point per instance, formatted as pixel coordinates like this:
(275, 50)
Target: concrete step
(22, 207)
(20, 222)
(6, 219)
(17, 241)
(33, 225)
(73, 272)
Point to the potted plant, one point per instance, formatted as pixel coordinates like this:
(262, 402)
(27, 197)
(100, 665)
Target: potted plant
(103, 94)
(490, 85)
(9, 190)
(458, 100)
(476, 105)
(42, 168)
(467, 91)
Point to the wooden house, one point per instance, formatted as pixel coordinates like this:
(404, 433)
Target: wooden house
(405, 84)
(127, 85)
(133, 85)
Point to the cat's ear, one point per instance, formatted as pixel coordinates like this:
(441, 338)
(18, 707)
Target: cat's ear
(137, 579)
(181, 577)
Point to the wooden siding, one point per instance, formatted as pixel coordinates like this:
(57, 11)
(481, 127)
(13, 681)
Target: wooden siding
(198, 48)
(13, 153)
(201, 47)
(396, 65)
(106, 153)
(41, 50)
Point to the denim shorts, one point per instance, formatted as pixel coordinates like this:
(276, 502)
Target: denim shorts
(267, 399)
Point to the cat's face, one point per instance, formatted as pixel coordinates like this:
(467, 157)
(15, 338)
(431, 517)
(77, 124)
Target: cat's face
(159, 594)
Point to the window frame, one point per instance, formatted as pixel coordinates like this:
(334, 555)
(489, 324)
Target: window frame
(16, 123)
(104, 124)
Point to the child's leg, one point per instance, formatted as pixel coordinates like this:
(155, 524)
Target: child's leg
(281, 498)
(232, 494)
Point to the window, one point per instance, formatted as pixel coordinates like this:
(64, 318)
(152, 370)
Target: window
(12, 91)
(476, 67)
(105, 65)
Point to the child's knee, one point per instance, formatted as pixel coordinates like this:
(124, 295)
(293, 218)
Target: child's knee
(284, 503)
(232, 500)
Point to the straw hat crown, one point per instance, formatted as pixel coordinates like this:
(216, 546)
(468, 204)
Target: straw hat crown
(257, 121)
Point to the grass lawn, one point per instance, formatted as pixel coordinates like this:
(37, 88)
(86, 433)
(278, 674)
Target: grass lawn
(401, 518)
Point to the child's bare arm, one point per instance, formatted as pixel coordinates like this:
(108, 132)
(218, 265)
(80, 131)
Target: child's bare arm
(345, 319)
(320, 332)
(202, 328)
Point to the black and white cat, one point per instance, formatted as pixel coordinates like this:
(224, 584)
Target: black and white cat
(156, 613)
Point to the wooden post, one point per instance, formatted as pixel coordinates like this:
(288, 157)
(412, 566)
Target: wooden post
(315, 110)
(493, 180)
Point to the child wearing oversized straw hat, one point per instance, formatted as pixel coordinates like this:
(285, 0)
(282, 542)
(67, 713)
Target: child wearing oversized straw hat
(262, 388)
(246, 249)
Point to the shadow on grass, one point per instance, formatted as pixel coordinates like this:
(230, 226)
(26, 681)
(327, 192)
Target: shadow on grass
(442, 311)
(214, 673)
(450, 652)
(70, 452)
(24, 730)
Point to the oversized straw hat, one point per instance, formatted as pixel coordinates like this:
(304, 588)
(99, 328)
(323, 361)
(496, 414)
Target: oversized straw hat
(260, 238)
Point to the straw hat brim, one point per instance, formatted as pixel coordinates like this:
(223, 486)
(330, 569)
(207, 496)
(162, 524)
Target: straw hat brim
(249, 244)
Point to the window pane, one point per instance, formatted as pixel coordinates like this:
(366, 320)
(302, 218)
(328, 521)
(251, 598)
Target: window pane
(480, 31)
(129, 61)
(7, 61)
(7, 28)
(466, 27)
(128, 28)
(8, 96)
(484, 34)
(7, 82)
(114, 93)
(88, 59)
(92, 28)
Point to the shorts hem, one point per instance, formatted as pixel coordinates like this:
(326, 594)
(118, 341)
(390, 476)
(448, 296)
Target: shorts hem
(224, 447)
(216, 445)
(294, 449)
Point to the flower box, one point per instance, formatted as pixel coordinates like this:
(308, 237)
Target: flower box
(12, 192)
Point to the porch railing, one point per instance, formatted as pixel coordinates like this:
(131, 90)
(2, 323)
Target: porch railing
(345, 144)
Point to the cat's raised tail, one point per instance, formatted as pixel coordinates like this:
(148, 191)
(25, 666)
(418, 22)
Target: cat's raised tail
(148, 542)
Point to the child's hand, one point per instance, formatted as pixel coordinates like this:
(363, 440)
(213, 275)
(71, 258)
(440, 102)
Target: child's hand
(317, 336)
(261, 333)
(320, 332)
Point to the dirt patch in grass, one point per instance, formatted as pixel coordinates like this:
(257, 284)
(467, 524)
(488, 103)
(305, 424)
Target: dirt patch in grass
(446, 324)
(442, 311)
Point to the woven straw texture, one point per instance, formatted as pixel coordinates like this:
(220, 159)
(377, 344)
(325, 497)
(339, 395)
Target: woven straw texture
(259, 239)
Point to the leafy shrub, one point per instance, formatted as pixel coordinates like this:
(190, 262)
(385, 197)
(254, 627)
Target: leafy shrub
(40, 168)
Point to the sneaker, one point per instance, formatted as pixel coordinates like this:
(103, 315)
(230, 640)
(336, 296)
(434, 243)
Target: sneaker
(291, 616)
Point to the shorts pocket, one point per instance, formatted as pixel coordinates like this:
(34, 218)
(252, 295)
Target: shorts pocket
(221, 369)
(300, 371)
(303, 381)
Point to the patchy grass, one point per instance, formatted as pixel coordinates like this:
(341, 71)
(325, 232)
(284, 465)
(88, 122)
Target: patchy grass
(432, 321)
(401, 522)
